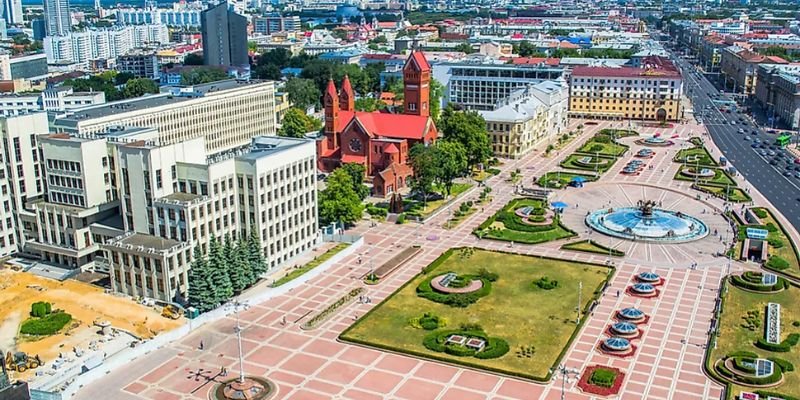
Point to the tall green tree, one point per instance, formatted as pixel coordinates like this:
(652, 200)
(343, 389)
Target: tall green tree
(269, 71)
(223, 290)
(243, 252)
(238, 270)
(202, 74)
(277, 57)
(303, 93)
(193, 59)
(357, 173)
(437, 91)
(524, 49)
(339, 202)
(423, 161)
(451, 159)
(469, 129)
(296, 124)
(201, 293)
(255, 255)
(465, 48)
(369, 104)
(138, 87)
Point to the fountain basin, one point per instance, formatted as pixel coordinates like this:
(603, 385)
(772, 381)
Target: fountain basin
(655, 225)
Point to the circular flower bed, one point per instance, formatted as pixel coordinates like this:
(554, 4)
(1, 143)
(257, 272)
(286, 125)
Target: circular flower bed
(426, 289)
(466, 343)
(601, 380)
(754, 281)
(741, 368)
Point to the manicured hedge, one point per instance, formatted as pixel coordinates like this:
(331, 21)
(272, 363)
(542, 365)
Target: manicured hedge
(785, 365)
(782, 347)
(40, 309)
(760, 212)
(603, 377)
(777, 263)
(744, 364)
(425, 290)
(495, 347)
(48, 325)
(745, 283)
(749, 380)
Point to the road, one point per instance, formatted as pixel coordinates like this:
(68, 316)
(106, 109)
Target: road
(764, 172)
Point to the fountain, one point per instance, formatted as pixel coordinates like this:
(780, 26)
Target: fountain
(647, 223)
(631, 314)
(654, 141)
(649, 277)
(616, 345)
(625, 329)
(704, 173)
(643, 288)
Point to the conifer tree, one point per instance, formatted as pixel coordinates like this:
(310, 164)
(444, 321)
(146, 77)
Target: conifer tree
(243, 251)
(200, 292)
(220, 281)
(256, 256)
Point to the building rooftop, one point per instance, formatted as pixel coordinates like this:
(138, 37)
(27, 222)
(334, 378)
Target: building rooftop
(171, 95)
(261, 146)
(148, 241)
(182, 197)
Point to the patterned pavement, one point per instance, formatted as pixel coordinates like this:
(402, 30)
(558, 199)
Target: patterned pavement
(312, 364)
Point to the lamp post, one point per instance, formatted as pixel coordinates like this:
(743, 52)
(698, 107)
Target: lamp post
(566, 374)
(238, 330)
(580, 289)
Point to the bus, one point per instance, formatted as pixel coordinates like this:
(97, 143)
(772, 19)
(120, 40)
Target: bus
(783, 140)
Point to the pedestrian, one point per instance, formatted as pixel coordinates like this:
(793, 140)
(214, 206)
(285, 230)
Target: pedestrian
(201, 344)
(617, 292)
(283, 320)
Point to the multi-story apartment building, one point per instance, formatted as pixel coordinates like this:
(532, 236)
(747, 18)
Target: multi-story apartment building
(140, 63)
(56, 14)
(58, 99)
(528, 117)
(83, 47)
(479, 86)
(738, 69)
(267, 25)
(181, 15)
(227, 113)
(778, 92)
(651, 92)
(224, 36)
(29, 66)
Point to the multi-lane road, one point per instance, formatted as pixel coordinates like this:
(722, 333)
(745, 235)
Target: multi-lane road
(765, 171)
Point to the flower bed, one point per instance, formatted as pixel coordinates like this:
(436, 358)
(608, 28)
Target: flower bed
(396, 261)
(328, 311)
(595, 380)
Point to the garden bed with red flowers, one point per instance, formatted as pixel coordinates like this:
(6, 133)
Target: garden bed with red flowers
(656, 125)
(601, 380)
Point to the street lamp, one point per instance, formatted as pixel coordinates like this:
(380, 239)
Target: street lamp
(566, 374)
(238, 330)
(580, 289)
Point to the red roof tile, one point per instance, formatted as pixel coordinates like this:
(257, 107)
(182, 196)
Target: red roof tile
(391, 149)
(397, 126)
(352, 158)
(419, 58)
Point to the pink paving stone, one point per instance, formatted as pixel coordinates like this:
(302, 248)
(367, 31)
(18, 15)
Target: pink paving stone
(415, 389)
(303, 364)
(519, 390)
(230, 347)
(268, 355)
(657, 392)
(162, 371)
(319, 386)
(258, 334)
(689, 387)
(323, 348)
(286, 377)
(359, 395)
(478, 381)
(340, 372)
(186, 384)
(306, 395)
(436, 372)
(690, 377)
(378, 381)
(461, 394)
(395, 363)
(289, 340)
(161, 395)
(135, 388)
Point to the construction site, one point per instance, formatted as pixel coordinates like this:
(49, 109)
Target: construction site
(101, 325)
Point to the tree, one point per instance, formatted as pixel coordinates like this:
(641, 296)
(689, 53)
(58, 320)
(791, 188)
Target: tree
(193, 59)
(200, 292)
(296, 124)
(277, 57)
(203, 74)
(451, 159)
(252, 46)
(469, 129)
(123, 78)
(237, 266)
(268, 71)
(319, 72)
(373, 71)
(369, 104)
(303, 93)
(524, 49)
(777, 51)
(465, 48)
(338, 202)
(219, 279)
(255, 256)
(138, 87)
(379, 40)
(423, 161)
(437, 90)
(357, 173)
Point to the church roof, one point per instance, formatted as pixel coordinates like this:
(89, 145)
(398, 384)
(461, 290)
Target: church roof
(346, 86)
(419, 59)
(398, 126)
(394, 170)
(392, 149)
(331, 90)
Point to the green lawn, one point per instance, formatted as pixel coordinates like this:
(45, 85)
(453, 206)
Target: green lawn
(734, 194)
(696, 156)
(787, 251)
(590, 246)
(720, 178)
(507, 226)
(297, 272)
(560, 179)
(604, 149)
(618, 133)
(603, 163)
(515, 311)
(735, 336)
(414, 207)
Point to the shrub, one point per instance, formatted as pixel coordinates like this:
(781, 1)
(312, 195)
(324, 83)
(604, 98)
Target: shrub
(425, 290)
(760, 212)
(777, 263)
(401, 218)
(603, 377)
(596, 148)
(40, 309)
(377, 211)
(785, 365)
(48, 325)
(771, 227)
(751, 276)
(782, 347)
(486, 274)
(470, 326)
(545, 283)
(754, 283)
(495, 348)
(601, 138)
(775, 242)
(744, 365)
(459, 351)
(743, 353)
(796, 323)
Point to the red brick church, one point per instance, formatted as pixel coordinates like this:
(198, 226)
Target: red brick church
(378, 140)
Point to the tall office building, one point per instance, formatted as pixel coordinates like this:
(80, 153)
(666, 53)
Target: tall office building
(224, 36)
(12, 11)
(56, 13)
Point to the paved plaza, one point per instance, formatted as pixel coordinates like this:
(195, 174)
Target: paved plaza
(312, 364)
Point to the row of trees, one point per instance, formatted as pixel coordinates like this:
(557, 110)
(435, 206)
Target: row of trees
(526, 49)
(115, 86)
(342, 198)
(226, 270)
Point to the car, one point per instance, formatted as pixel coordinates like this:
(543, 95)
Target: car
(763, 153)
(772, 131)
(771, 153)
(733, 122)
(754, 145)
(755, 131)
(747, 138)
(797, 160)
(675, 136)
(762, 145)
(741, 130)
(773, 162)
(787, 173)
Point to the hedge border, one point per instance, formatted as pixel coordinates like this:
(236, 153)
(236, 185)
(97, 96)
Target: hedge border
(614, 252)
(480, 367)
(785, 234)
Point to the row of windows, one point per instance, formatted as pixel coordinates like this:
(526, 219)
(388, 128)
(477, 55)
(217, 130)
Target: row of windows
(64, 165)
(63, 181)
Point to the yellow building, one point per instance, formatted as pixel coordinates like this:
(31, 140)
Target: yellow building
(651, 92)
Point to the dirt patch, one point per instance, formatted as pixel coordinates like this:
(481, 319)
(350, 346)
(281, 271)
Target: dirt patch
(8, 331)
(86, 304)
